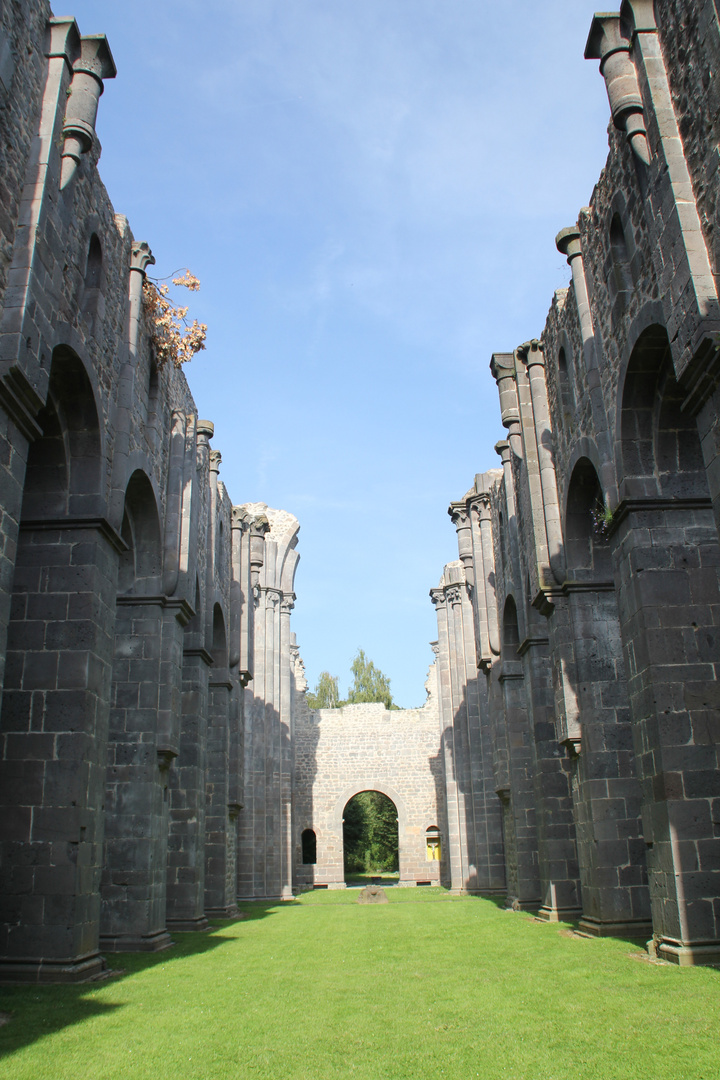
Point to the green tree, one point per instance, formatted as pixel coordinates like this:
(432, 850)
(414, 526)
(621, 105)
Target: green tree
(326, 695)
(370, 833)
(369, 683)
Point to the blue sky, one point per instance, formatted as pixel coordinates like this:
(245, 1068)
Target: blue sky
(369, 194)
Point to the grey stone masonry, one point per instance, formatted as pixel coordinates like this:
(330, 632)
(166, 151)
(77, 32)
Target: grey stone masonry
(127, 611)
(341, 752)
(601, 538)
(265, 826)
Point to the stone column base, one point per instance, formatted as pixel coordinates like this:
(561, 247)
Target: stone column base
(136, 942)
(569, 914)
(184, 926)
(634, 928)
(229, 912)
(707, 953)
(26, 970)
(513, 904)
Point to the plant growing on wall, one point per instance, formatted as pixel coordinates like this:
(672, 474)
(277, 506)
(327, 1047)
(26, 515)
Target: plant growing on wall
(174, 339)
(602, 519)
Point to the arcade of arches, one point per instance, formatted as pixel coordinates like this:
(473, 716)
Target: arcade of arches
(158, 758)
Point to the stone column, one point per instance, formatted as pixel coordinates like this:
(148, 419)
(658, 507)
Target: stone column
(451, 841)
(557, 850)
(568, 242)
(523, 883)
(286, 748)
(666, 593)
(220, 830)
(186, 854)
(189, 456)
(54, 728)
(137, 797)
(265, 834)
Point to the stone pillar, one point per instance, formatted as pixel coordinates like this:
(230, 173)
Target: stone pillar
(189, 460)
(523, 882)
(220, 830)
(265, 825)
(90, 69)
(186, 853)
(568, 242)
(137, 797)
(472, 838)
(286, 748)
(665, 594)
(451, 840)
(555, 825)
(611, 848)
(54, 743)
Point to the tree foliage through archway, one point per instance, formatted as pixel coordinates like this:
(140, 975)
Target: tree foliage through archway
(370, 834)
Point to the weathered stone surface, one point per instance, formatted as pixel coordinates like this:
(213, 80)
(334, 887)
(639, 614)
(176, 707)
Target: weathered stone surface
(341, 752)
(372, 894)
(126, 576)
(602, 568)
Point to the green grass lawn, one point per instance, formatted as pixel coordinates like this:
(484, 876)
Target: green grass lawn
(424, 986)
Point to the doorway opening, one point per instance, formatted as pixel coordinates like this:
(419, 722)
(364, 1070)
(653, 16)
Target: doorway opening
(370, 839)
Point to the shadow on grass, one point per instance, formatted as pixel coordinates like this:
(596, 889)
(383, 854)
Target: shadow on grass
(36, 1011)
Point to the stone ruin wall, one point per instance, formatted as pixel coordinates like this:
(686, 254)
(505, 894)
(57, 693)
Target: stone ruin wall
(340, 752)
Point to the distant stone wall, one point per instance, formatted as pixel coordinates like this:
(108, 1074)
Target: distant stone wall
(340, 752)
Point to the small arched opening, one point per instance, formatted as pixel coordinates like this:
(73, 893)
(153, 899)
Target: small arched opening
(140, 565)
(565, 386)
(93, 302)
(309, 847)
(511, 631)
(620, 282)
(370, 836)
(433, 851)
(587, 524)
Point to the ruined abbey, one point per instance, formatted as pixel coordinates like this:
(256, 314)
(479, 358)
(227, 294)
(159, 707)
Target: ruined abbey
(159, 761)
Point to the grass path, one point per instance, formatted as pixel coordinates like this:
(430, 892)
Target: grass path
(326, 988)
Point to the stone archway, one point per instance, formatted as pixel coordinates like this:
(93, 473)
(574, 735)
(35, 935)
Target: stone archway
(341, 752)
(370, 836)
(412, 856)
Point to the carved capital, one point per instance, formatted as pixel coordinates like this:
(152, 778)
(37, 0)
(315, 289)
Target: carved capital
(608, 43)
(435, 646)
(568, 243)
(638, 17)
(272, 598)
(205, 432)
(287, 604)
(259, 526)
(502, 449)
(95, 58)
(239, 518)
(480, 503)
(453, 594)
(532, 353)
(458, 512)
(92, 66)
(437, 596)
(141, 257)
(502, 366)
(215, 459)
(62, 40)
